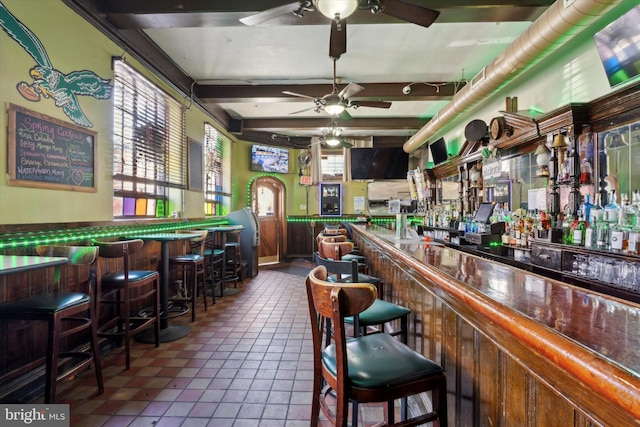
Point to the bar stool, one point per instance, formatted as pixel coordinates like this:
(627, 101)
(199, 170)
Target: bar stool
(369, 368)
(380, 312)
(232, 263)
(191, 267)
(123, 288)
(342, 250)
(214, 257)
(66, 313)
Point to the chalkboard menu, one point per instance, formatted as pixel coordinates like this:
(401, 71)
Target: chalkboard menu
(45, 152)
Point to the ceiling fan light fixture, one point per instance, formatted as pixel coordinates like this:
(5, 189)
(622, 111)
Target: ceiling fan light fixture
(332, 141)
(334, 105)
(339, 9)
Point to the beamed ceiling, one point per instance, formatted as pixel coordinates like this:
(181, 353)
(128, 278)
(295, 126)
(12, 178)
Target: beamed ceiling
(239, 72)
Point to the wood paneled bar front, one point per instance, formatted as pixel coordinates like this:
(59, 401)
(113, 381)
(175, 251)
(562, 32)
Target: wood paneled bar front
(519, 349)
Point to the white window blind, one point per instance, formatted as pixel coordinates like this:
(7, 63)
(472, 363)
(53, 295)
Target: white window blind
(217, 168)
(148, 144)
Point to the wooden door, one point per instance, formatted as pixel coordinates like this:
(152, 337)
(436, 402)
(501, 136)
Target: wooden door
(269, 205)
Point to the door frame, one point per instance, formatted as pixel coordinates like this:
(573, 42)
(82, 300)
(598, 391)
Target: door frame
(281, 214)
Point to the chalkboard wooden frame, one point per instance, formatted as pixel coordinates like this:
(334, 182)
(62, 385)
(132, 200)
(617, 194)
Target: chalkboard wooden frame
(44, 152)
(195, 165)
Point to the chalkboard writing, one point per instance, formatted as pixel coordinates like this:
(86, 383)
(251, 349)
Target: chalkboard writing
(49, 153)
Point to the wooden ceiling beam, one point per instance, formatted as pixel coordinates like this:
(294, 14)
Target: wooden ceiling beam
(355, 124)
(423, 91)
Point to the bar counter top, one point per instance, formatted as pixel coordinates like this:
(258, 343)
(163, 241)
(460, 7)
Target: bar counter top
(593, 337)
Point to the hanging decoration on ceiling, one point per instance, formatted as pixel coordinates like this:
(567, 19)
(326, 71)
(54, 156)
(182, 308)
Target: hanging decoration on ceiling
(49, 82)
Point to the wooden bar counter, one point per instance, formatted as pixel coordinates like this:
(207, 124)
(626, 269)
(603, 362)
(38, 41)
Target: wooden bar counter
(518, 349)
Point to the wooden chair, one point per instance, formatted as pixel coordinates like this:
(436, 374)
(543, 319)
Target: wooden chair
(66, 313)
(380, 312)
(341, 250)
(369, 368)
(191, 267)
(123, 289)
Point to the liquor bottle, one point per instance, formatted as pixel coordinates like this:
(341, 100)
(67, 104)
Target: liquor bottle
(633, 246)
(585, 207)
(602, 234)
(611, 209)
(630, 212)
(578, 230)
(567, 235)
(586, 172)
(619, 235)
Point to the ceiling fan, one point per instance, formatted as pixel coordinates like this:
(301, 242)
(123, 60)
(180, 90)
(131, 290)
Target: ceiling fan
(336, 103)
(332, 136)
(339, 10)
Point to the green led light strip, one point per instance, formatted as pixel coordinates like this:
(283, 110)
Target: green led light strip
(373, 220)
(34, 238)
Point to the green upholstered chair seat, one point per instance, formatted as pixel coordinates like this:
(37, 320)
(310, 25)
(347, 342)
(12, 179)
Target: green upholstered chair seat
(134, 276)
(380, 361)
(46, 303)
(187, 258)
(349, 257)
(380, 312)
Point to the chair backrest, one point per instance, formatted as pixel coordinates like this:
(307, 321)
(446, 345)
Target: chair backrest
(339, 268)
(331, 238)
(196, 244)
(120, 249)
(334, 250)
(77, 255)
(334, 301)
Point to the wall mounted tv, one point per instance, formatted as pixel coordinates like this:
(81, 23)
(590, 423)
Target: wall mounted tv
(439, 151)
(379, 163)
(269, 159)
(619, 47)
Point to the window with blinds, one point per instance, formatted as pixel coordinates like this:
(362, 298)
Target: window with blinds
(217, 170)
(332, 165)
(148, 145)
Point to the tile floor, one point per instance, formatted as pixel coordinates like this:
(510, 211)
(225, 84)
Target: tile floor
(246, 363)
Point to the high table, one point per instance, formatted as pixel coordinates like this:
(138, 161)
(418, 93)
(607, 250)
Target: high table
(20, 263)
(167, 332)
(223, 230)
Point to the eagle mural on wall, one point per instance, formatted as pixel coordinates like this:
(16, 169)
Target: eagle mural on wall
(49, 82)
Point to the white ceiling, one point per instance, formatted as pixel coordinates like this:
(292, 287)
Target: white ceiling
(214, 49)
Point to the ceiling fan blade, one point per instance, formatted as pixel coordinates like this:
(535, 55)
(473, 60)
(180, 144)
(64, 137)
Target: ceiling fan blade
(409, 12)
(268, 14)
(372, 104)
(345, 115)
(302, 111)
(286, 92)
(345, 144)
(349, 90)
(338, 39)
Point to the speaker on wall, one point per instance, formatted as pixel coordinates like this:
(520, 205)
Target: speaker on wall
(235, 126)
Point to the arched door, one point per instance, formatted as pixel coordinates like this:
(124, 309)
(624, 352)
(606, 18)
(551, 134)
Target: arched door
(268, 201)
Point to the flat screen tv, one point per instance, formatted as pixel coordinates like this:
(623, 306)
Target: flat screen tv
(269, 159)
(379, 163)
(439, 151)
(619, 47)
